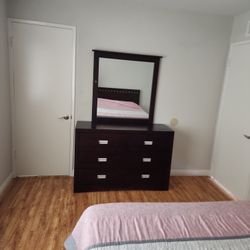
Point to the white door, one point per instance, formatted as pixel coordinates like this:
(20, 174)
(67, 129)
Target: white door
(42, 64)
(231, 158)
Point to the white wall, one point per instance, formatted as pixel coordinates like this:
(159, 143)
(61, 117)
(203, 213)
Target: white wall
(5, 126)
(240, 27)
(194, 47)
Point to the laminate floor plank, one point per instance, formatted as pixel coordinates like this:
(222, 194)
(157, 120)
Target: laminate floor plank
(40, 212)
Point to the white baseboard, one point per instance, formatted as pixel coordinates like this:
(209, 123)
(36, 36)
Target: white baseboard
(225, 190)
(30, 175)
(189, 172)
(6, 183)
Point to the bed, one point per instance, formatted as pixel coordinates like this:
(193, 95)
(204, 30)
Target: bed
(127, 226)
(116, 103)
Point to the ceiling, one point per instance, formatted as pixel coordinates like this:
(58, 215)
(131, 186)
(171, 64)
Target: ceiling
(218, 7)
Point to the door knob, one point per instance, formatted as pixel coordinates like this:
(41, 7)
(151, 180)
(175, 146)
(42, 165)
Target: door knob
(65, 117)
(247, 136)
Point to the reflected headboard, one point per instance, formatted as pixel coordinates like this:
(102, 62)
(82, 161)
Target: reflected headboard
(132, 95)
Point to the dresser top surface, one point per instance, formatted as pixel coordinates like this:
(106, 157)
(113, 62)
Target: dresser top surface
(153, 127)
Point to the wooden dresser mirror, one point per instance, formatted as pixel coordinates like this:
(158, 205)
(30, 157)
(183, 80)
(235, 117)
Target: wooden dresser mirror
(124, 88)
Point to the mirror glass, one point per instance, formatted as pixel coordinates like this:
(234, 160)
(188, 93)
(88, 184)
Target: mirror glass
(128, 75)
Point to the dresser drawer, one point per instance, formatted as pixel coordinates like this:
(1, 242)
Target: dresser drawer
(100, 158)
(93, 180)
(94, 167)
(148, 159)
(149, 143)
(103, 177)
(123, 160)
(151, 179)
(88, 176)
(101, 142)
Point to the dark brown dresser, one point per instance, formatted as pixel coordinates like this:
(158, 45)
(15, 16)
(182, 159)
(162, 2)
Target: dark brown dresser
(113, 157)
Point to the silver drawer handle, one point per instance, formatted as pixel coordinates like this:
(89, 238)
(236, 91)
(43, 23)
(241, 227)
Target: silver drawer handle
(148, 143)
(102, 159)
(146, 159)
(101, 176)
(103, 142)
(145, 176)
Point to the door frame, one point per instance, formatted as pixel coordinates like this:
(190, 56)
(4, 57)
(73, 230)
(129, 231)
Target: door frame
(11, 21)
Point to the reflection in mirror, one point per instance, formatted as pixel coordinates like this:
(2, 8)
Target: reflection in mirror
(125, 76)
(124, 88)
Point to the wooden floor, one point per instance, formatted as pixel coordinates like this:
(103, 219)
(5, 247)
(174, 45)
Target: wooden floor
(40, 212)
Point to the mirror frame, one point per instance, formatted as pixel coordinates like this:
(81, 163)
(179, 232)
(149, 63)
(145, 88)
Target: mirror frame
(131, 57)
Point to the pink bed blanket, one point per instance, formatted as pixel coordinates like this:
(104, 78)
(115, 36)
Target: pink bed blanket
(121, 223)
(115, 108)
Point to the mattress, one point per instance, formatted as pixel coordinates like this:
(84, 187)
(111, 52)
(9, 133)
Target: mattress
(127, 226)
(114, 109)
